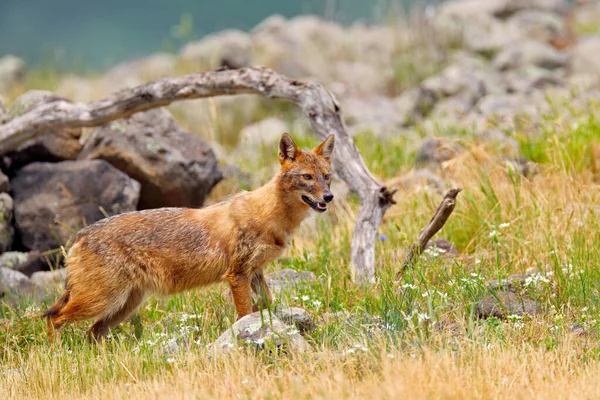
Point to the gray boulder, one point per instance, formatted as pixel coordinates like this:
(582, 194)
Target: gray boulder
(50, 281)
(54, 200)
(15, 286)
(530, 53)
(26, 263)
(56, 145)
(174, 167)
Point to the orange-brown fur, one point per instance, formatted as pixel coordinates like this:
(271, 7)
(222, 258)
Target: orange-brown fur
(113, 263)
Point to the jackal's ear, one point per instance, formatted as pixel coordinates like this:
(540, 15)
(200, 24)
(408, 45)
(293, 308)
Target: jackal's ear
(325, 149)
(288, 151)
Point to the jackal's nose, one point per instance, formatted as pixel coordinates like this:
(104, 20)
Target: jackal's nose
(328, 197)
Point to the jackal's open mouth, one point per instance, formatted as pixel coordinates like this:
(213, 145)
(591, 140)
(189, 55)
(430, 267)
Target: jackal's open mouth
(318, 207)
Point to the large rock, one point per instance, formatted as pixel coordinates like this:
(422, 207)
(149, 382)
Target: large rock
(77, 88)
(7, 232)
(539, 25)
(501, 9)
(56, 145)
(530, 53)
(261, 332)
(229, 48)
(135, 72)
(465, 81)
(584, 58)
(378, 115)
(12, 70)
(174, 167)
(50, 281)
(26, 263)
(301, 47)
(52, 200)
(15, 286)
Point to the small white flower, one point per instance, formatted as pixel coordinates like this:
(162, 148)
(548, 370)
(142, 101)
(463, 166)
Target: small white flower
(305, 298)
(504, 225)
(293, 332)
(477, 261)
(409, 286)
(493, 233)
(245, 382)
(171, 360)
(390, 355)
(259, 341)
(423, 317)
(317, 303)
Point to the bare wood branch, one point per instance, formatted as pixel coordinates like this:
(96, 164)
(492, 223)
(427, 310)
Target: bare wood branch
(435, 224)
(318, 103)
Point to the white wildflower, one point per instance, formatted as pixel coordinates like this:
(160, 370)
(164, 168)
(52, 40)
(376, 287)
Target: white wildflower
(423, 317)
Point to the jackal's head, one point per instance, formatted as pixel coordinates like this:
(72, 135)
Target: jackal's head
(305, 176)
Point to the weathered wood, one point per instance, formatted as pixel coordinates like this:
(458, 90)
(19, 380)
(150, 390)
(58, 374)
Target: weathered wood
(435, 224)
(319, 105)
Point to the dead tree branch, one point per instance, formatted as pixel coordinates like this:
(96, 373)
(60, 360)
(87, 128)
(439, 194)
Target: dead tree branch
(435, 224)
(319, 105)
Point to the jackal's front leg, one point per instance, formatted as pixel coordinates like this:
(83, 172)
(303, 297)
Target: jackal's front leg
(260, 287)
(240, 289)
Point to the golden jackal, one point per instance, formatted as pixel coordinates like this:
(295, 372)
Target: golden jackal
(113, 263)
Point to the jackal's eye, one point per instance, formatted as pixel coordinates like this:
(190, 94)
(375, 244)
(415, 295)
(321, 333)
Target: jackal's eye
(326, 176)
(308, 177)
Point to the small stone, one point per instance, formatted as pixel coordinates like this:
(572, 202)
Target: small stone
(445, 245)
(261, 331)
(578, 330)
(288, 278)
(503, 304)
(296, 316)
(435, 151)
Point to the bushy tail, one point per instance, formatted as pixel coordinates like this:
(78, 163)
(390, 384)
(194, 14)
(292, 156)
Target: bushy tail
(56, 307)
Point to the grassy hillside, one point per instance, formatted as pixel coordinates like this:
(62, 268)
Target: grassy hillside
(417, 338)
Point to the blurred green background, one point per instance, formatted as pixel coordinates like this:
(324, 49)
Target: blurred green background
(92, 35)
